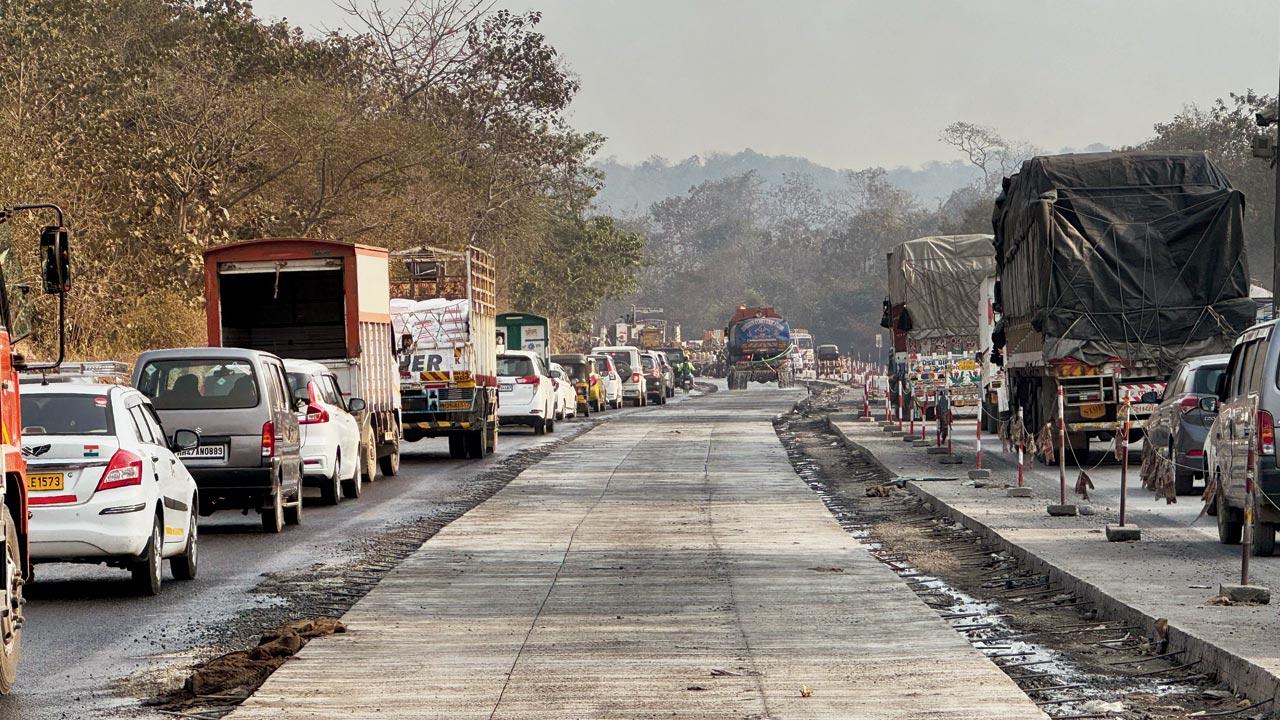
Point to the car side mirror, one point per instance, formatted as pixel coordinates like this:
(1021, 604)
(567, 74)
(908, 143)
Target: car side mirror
(55, 259)
(185, 440)
(1150, 397)
(355, 405)
(1209, 404)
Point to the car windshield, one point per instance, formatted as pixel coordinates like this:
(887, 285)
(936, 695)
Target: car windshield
(204, 384)
(514, 366)
(1206, 379)
(66, 414)
(622, 359)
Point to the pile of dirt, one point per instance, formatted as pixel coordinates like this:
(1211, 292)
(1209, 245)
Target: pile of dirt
(237, 674)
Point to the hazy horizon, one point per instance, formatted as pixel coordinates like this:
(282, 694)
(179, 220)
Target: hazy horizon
(871, 82)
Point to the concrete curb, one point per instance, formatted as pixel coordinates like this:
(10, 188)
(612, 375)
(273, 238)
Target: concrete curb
(1241, 675)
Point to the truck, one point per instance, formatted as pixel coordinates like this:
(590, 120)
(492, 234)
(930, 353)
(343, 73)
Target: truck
(444, 314)
(1111, 269)
(650, 337)
(525, 331)
(827, 358)
(758, 347)
(53, 277)
(319, 300)
(931, 285)
(994, 403)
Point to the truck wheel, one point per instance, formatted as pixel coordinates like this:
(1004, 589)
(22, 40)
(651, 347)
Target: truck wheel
(491, 430)
(1229, 528)
(368, 456)
(457, 446)
(1264, 538)
(390, 464)
(11, 620)
(475, 444)
(147, 570)
(273, 517)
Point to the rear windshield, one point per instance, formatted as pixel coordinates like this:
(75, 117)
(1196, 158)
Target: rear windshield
(621, 358)
(575, 371)
(205, 384)
(1206, 379)
(514, 366)
(647, 362)
(66, 414)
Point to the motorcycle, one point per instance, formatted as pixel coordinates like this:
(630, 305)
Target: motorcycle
(686, 383)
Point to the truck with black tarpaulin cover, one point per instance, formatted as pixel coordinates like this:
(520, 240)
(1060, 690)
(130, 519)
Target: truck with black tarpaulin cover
(1113, 267)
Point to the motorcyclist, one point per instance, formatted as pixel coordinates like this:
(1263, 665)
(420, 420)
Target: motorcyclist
(684, 371)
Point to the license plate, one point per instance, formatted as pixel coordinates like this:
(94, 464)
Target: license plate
(455, 405)
(205, 452)
(1093, 411)
(504, 387)
(45, 481)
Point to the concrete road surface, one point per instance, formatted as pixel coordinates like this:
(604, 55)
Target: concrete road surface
(668, 564)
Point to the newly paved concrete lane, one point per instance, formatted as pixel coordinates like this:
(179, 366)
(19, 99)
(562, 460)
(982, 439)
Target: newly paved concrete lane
(87, 630)
(668, 564)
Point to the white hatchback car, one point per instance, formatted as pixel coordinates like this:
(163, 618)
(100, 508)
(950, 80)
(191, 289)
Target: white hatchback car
(103, 482)
(525, 395)
(330, 433)
(566, 395)
(612, 380)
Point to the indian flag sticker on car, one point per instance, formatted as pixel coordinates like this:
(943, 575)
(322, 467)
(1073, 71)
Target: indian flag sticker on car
(91, 451)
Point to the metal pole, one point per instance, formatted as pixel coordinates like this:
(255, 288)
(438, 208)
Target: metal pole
(1021, 445)
(1275, 248)
(978, 455)
(949, 424)
(1062, 447)
(1124, 461)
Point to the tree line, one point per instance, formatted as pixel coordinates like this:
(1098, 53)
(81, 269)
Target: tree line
(167, 126)
(819, 254)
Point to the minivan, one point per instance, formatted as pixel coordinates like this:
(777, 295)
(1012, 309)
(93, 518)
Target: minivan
(249, 455)
(626, 358)
(1247, 402)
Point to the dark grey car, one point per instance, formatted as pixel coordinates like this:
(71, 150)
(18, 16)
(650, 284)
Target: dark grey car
(1178, 426)
(239, 402)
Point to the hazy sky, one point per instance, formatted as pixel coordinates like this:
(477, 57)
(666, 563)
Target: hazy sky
(854, 83)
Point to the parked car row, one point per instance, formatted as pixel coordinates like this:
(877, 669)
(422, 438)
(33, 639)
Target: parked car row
(646, 375)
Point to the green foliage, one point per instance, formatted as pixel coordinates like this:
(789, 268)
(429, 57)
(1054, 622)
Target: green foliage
(166, 126)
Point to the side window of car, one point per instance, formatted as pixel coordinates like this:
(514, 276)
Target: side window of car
(1231, 373)
(329, 390)
(1177, 387)
(276, 386)
(1238, 370)
(153, 420)
(140, 424)
(1261, 349)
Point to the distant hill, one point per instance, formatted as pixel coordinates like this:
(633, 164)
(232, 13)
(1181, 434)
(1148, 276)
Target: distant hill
(629, 190)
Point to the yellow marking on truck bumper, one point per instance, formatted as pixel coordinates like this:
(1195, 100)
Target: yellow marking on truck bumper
(440, 425)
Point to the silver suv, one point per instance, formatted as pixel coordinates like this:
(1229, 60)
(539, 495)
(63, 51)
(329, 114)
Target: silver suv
(1247, 402)
(249, 456)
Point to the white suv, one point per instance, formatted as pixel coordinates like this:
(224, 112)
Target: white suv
(525, 394)
(330, 434)
(104, 484)
(626, 358)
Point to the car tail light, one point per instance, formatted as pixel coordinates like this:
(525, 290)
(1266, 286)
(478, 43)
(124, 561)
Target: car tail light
(124, 469)
(635, 377)
(527, 380)
(315, 412)
(1195, 453)
(268, 439)
(1266, 434)
(1189, 403)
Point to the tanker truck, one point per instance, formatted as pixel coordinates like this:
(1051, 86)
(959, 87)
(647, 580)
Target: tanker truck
(758, 347)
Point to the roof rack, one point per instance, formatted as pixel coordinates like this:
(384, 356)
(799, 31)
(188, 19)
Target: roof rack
(109, 372)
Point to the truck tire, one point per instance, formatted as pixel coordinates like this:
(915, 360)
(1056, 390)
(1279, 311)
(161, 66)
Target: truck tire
(1264, 538)
(491, 431)
(11, 640)
(474, 440)
(368, 455)
(1229, 528)
(390, 464)
(457, 446)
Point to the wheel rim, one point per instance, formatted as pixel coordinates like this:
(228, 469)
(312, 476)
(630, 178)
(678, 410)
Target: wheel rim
(193, 541)
(11, 623)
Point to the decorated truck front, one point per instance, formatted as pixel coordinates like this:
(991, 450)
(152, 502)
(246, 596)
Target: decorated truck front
(758, 347)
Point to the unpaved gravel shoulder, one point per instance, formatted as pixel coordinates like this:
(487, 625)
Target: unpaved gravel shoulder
(1054, 645)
